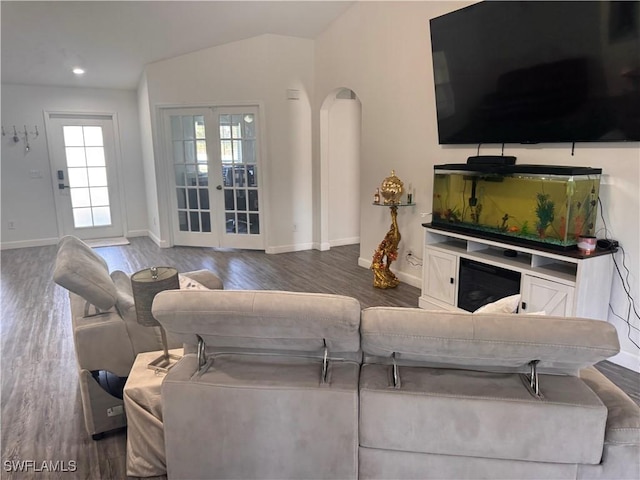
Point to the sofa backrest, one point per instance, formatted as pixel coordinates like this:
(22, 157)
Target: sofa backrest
(82, 271)
(270, 321)
(493, 342)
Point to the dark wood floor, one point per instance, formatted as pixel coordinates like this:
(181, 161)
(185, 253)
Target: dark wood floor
(41, 410)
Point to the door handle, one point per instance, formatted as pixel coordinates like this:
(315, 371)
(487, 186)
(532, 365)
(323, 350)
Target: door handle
(62, 186)
(219, 187)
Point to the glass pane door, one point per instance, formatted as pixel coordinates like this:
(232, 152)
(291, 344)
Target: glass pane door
(239, 173)
(238, 137)
(87, 170)
(191, 169)
(214, 179)
(192, 197)
(84, 167)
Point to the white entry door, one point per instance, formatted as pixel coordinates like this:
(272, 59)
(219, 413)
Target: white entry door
(85, 178)
(214, 177)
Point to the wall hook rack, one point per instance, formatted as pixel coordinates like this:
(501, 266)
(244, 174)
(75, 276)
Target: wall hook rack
(23, 135)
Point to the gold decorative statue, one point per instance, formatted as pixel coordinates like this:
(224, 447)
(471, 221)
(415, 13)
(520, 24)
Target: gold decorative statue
(391, 189)
(386, 253)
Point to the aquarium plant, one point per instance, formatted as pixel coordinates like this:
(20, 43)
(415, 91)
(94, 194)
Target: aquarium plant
(545, 210)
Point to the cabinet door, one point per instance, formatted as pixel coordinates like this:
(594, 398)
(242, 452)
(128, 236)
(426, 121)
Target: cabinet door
(439, 276)
(539, 295)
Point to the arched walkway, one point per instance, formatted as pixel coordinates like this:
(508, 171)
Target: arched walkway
(340, 125)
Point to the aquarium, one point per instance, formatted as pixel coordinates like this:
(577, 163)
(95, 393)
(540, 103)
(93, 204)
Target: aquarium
(535, 205)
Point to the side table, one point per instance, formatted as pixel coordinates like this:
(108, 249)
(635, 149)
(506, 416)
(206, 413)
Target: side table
(387, 251)
(143, 406)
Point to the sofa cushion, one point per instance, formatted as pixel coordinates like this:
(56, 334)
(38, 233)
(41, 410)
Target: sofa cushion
(124, 302)
(495, 342)
(102, 341)
(187, 283)
(504, 305)
(265, 417)
(271, 320)
(623, 421)
(81, 271)
(481, 414)
(206, 278)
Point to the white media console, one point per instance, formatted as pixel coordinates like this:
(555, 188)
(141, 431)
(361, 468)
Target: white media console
(556, 282)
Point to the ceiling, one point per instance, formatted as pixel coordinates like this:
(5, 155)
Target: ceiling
(113, 40)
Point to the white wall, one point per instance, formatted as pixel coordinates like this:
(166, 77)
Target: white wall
(381, 50)
(256, 71)
(148, 161)
(29, 202)
(343, 152)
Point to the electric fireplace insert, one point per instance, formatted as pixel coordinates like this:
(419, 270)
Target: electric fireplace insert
(481, 284)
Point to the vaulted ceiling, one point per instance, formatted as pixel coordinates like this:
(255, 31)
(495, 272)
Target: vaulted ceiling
(112, 40)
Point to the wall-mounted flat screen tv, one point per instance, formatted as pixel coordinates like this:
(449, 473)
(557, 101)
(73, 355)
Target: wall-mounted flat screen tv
(538, 72)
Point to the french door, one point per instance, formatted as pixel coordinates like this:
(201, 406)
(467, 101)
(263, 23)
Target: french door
(214, 177)
(84, 165)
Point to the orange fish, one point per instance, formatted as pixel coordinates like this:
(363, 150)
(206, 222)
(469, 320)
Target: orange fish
(514, 229)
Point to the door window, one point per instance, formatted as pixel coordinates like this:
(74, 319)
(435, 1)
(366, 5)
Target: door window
(191, 169)
(87, 170)
(84, 161)
(239, 173)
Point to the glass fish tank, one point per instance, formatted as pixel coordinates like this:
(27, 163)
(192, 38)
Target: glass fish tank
(535, 205)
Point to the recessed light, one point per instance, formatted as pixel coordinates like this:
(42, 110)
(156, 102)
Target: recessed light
(78, 71)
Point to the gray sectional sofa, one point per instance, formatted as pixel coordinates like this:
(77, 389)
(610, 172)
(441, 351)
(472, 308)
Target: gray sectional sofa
(302, 385)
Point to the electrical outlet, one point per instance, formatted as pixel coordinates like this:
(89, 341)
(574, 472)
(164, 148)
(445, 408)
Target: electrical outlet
(415, 262)
(11, 225)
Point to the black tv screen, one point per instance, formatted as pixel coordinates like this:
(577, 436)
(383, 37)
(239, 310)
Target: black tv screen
(538, 72)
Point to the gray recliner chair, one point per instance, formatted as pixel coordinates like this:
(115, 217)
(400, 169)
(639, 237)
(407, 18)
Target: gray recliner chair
(106, 333)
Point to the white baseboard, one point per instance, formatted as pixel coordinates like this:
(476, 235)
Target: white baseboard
(43, 242)
(627, 360)
(402, 276)
(290, 248)
(409, 279)
(323, 247)
(40, 242)
(138, 233)
(344, 241)
(157, 241)
(364, 262)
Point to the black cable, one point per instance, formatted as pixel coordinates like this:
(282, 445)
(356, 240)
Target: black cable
(624, 280)
(629, 326)
(627, 286)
